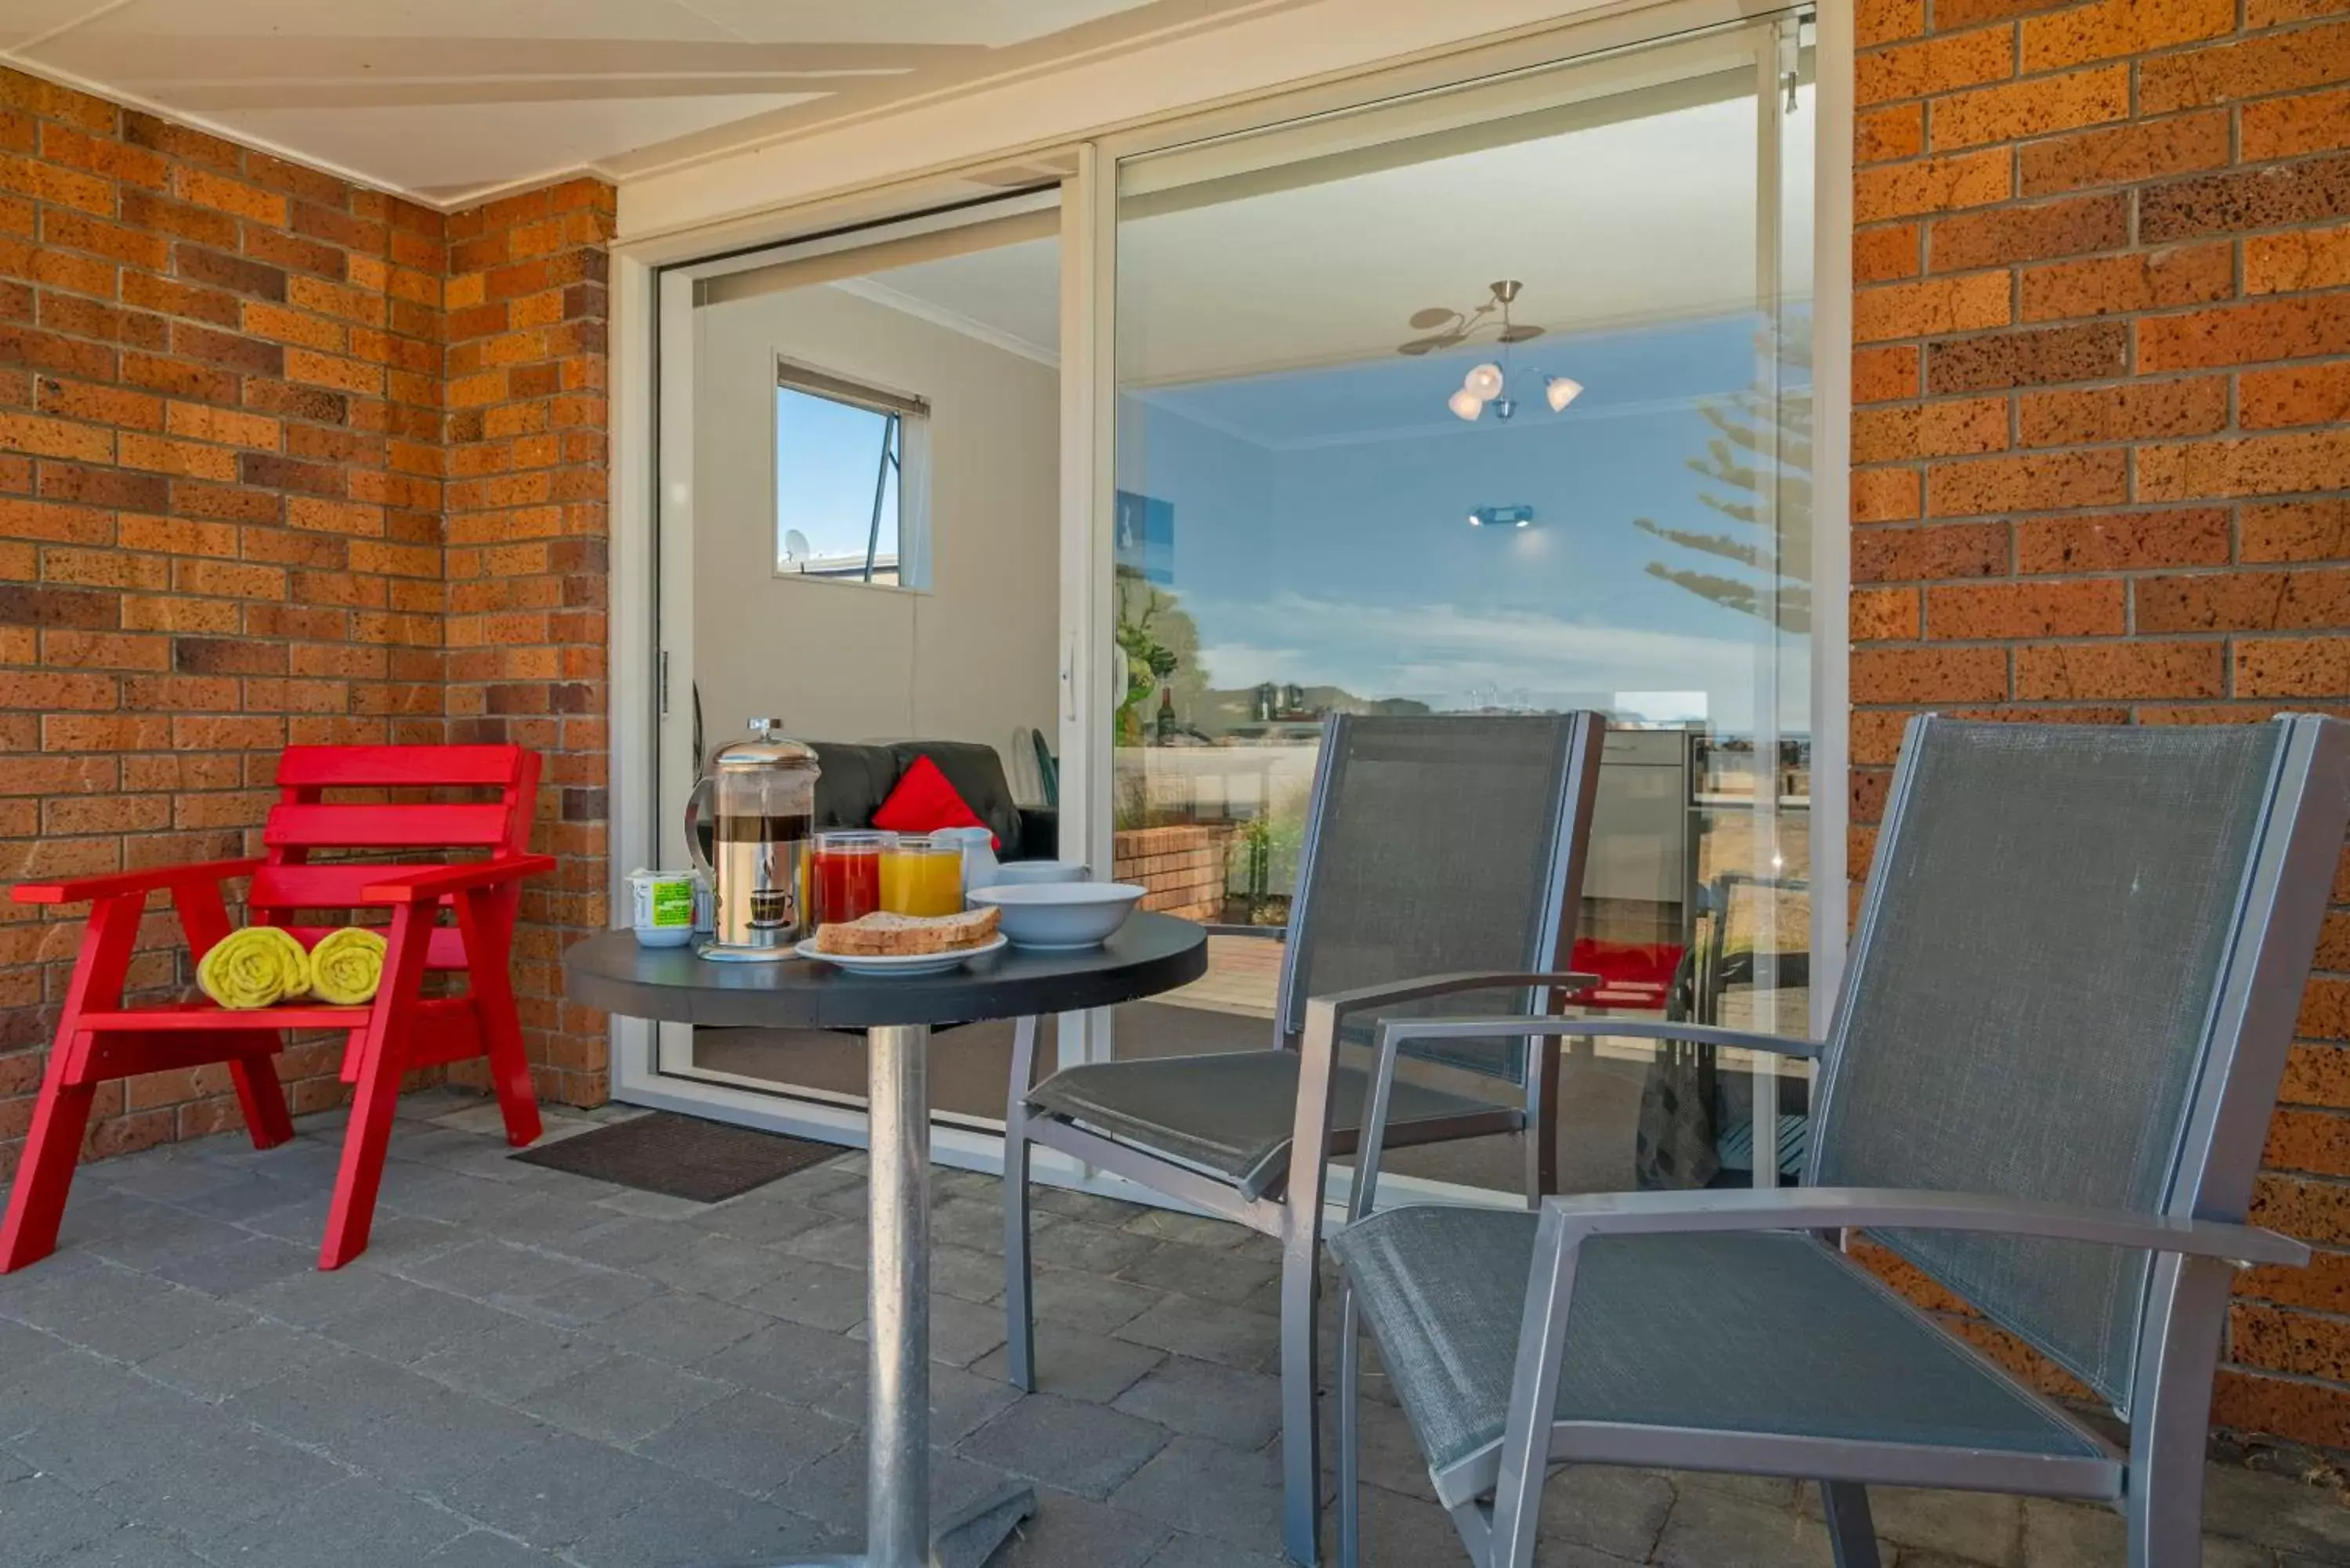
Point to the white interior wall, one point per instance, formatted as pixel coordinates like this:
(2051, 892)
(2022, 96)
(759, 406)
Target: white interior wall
(971, 658)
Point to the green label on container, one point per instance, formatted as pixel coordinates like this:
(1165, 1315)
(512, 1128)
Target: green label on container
(672, 904)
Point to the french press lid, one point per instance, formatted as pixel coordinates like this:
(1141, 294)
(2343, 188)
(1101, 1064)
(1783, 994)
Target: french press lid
(767, 747)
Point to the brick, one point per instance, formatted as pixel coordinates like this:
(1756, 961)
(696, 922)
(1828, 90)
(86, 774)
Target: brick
(2006, 234)
(1931, 308)
(2266, 197)
(2041, 356)
(2300, 395)
(2244, 601)
(2277, 263)
(2123, 541)
(2134, 411)
(1929, 674)
(1885, 495)
(56, 438)
(2039, 105)
(162, 217)
(40, 350)
(1884, 615)
(1881, 374)
(1936, 65)
(1971, 426)
(98, 405)
(2290, 127)
(2255, 465)
(2254, 67)
(2296, 531)
(24, 605)
(179, 378)
(2111, 29)
(2146, 280)
(2039, 482)
(1929, 554)
(227, 349)
(162, 294)
(2293, 667)
(1985, 611)
(1936, 184)
(76, 230)
(2124, 154)
(2126, 670)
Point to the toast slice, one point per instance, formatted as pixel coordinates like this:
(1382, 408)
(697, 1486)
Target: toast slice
(884, 935)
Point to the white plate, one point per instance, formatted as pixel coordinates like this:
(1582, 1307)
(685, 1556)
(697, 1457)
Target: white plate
(899, 963)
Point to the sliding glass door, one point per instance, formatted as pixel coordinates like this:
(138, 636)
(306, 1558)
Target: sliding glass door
(1491, 400)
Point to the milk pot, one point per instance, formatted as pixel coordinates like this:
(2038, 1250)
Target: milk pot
(756, 805)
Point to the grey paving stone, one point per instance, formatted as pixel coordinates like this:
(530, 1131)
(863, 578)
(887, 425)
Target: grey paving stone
(817, 1294)
(2278, 1510)
(1708, 1527)
(1980, 1527)
(1206, 1552)
(1086, 1449)
(832, 1489)
(242, 1194)
(1072, 1204)
(1208, 1330)
(623, 1399)
(843, 1243)
(245, 1356)
(974, 1276)
(961, 1401)
(1070, 1531)
(748, 1442)
(651, 1205)
(188, 1235)
(798, 1364)
(487, 1549)
(553, 1490)
(54, 1400)
(1401, 1530)
(717, 1266)
(21, 1344)
(493, 1270)
(687, 1525)
(243, 1264)
(678, 1328)
(628, 1243)
(132, 1546)
(1079, 1366)
(514, 1359)
(767, 1222)
(41, 1518)
(1206, 1488)
(314, 1298)
(204, 1476)
(1205, 1273)
(961, 1332)
(1167, 1225)
(1619, 1513)
(1088, 1301)
(410, 1322)
(337, 1406)
(353, 1523)
(1096, 1249)
(975, 1222)
(1205, 1400)
(591, 1298)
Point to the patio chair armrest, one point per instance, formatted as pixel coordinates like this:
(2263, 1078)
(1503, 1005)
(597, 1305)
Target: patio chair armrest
(1402, 1029)
(114, 884)
(415, 887)
(1339, 1004)
(1906, 1208)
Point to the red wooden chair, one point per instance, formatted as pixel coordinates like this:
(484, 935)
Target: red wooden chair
(100, 1037)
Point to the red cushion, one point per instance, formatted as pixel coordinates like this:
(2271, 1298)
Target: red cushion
(924, 802)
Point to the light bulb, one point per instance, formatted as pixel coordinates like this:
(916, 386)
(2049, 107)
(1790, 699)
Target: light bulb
(1465, 403)
(1560, 391)
(1483, 382)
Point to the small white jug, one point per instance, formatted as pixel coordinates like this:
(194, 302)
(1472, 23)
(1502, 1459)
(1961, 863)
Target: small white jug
(979, 863)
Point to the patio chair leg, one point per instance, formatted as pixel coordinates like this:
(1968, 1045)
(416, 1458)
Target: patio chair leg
(487, 959)
(36, 1204)
(1019, 1307)
(381, 1047)
(1350, 1435)
(2163, 1493)
(1845, 1505)
(1301, 1436)
(260, 1096)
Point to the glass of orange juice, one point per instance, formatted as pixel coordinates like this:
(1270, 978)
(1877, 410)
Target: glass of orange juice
(923, 876)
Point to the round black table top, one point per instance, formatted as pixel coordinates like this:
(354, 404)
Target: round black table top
(1149, 954)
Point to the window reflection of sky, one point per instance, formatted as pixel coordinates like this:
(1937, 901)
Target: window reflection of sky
(825, 456)
(1321, 534)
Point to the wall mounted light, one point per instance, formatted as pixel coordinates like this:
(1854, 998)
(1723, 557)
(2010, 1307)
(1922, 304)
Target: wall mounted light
(1501, 517)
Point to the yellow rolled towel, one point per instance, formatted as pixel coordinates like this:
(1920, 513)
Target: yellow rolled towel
(255, 967)
(346, 966)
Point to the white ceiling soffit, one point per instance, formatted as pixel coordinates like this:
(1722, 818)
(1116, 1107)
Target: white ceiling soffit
(451, 101)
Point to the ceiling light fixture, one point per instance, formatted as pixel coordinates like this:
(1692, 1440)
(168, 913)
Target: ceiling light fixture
(1487, 383)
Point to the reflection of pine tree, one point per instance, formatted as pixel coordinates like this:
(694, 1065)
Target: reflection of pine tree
(1737, 458)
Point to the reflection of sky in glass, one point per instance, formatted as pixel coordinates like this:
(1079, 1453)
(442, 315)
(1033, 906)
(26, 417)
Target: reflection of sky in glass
(826, 454)
(1321, 533)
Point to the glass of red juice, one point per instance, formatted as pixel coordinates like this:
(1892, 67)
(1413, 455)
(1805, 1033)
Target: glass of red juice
(845, 875)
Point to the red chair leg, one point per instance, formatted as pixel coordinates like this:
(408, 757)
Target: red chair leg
(36, 1204)
(263, 1100)
(485, 920)
(381, 1048)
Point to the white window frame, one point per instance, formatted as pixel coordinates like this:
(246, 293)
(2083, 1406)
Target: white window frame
(642, 672)
(910, 563)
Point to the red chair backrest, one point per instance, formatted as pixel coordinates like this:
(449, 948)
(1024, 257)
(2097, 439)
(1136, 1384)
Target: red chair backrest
(304, 820)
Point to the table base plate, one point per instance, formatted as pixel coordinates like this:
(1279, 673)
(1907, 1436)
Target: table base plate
(966, 1540)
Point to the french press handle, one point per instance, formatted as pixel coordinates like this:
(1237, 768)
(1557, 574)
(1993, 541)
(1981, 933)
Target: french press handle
(697, 804)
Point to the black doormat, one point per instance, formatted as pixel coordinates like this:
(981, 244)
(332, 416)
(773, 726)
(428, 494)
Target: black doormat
(684, 1156)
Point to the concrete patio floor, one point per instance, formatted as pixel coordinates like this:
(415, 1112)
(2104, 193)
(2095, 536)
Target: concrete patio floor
(533, 1368)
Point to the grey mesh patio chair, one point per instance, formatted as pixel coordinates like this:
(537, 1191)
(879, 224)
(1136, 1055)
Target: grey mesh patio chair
(2047, 1087)
(1448, 846)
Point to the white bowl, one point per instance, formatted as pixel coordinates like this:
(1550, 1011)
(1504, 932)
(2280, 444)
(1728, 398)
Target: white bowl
(1061, 916)
(1035, 873)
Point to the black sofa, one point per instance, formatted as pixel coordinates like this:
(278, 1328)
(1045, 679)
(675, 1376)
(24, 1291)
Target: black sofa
(857, 777)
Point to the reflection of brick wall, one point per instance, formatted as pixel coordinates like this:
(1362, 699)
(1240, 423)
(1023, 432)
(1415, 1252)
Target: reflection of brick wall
(1182, 866)
(2100, 308)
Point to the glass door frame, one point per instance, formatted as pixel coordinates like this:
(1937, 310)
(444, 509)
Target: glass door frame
(642, 799)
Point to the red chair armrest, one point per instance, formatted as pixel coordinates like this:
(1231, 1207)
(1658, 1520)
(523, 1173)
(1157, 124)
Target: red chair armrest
(416, 886)
(75, 889)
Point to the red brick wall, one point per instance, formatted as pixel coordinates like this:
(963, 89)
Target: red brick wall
(2102, 366)
(222, 451)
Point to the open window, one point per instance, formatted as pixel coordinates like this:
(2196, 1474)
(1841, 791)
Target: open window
(847, 507)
